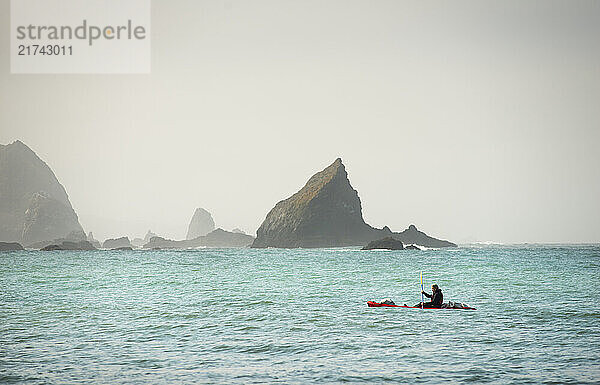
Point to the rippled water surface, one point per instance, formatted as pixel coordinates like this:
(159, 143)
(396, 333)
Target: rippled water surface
(299, 316)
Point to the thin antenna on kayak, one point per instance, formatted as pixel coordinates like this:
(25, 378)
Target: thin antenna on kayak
(422, 290)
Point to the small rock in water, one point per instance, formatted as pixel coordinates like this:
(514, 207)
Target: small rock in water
(387, 243)
(10, 246)
(67, 245)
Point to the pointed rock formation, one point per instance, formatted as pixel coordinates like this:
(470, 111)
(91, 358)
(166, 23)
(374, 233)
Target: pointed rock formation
(201, 224)
(93, 241)
(327, 212)
(34, 206)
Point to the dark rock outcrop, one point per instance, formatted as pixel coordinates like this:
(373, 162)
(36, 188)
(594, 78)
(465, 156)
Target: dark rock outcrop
(414, 236)
(201, 224)
(216, 238)
(327, 212)
(67, 245)
(10, 246)
(116, 243)
(34, 206)
(157, 242)
(74, 237)
(93, 241)
(222, 238)
(126, 248)
(412, 247)
(387, 243)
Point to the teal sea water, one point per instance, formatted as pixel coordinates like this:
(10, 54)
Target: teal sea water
(299, 316)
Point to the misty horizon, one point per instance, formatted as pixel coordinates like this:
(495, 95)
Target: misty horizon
(299, 191)
(177, 237)
(475, 122)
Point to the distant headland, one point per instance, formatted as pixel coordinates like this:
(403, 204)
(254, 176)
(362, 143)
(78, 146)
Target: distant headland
(34, 206)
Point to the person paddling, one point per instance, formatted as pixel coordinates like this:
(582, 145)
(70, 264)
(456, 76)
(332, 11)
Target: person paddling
(437, 298)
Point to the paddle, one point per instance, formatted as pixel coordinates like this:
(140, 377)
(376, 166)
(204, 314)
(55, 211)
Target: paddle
(422, 290)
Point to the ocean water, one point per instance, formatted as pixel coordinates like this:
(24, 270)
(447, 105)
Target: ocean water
(299, 316)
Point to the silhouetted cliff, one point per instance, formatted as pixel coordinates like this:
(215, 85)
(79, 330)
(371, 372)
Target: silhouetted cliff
(34, 206)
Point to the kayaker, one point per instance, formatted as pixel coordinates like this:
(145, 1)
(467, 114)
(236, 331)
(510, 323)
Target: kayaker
(437, 298)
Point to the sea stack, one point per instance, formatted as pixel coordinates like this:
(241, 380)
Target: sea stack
(327, 212)
(201, 224)
(34, 206)
(90, 238)
(117, 243)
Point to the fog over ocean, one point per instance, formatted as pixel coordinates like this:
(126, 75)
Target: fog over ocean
(476, 121)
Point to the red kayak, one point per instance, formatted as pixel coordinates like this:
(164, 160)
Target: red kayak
(377, 304)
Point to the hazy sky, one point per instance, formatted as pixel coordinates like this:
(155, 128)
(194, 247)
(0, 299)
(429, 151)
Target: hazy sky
(474, 120)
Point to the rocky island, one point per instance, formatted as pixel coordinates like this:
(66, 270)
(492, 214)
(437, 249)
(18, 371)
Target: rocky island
(90, 238)
(117, 243)
(34, 206)
(216, 238)
(201, 224)
(69, 245)
(327, 212)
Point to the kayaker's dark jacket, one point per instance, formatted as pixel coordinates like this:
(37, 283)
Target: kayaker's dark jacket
(437, 298)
